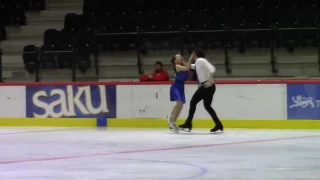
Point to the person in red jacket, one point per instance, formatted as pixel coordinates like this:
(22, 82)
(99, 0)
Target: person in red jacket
(158, 75)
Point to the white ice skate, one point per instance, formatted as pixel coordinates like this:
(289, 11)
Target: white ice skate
(172, 125)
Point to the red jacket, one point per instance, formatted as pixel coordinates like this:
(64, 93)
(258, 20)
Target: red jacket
(159, 76)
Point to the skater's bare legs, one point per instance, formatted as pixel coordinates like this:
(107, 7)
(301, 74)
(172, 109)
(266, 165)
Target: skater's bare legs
(174, 116)
(177, 110)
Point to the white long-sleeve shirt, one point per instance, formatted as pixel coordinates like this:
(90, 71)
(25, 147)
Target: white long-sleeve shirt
(204, 70)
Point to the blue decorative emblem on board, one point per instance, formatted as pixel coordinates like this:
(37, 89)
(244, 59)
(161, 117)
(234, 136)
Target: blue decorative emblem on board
(303, 101)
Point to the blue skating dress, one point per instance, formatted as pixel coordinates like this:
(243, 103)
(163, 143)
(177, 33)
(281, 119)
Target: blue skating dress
(177, 88)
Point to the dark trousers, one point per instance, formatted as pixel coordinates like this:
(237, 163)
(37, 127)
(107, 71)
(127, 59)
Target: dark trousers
(205, 94)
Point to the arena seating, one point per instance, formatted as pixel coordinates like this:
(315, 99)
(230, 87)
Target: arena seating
(122, 16)
(238, 26)
(116, 16)
(30, 58)
(3, 32)
(13, 12)
(183, 13)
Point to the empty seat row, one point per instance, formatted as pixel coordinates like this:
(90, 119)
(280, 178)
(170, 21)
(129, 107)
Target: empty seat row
(61, 49)
(76, 22)
(68, 38)
(46, 57)
(252, 13)
(166, 21)
(3, 32)
(150, 5)
(233, 39)
(24, 4)
(13, 12)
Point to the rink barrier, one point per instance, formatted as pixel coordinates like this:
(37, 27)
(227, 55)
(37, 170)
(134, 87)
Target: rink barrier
(161, 123)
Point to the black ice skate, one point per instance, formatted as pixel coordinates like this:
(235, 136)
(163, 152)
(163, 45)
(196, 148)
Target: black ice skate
(216, 130)
(186, 127)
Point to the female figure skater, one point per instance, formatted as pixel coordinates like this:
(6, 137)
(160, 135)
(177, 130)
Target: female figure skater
(177, 89)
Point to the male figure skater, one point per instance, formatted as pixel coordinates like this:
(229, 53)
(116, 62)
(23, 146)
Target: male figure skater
(205, 71)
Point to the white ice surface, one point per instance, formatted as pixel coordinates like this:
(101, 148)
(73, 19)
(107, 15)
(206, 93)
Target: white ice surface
(153, 154)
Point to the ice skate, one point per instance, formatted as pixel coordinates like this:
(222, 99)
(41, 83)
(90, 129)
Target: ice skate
(186, 127)
(174, 127)
(216, 130)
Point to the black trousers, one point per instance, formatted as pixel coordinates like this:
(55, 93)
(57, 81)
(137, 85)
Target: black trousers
(205, 94)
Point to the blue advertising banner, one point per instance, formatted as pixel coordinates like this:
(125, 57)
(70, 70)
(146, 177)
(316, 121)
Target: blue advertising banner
(68, 101)
(303, 101)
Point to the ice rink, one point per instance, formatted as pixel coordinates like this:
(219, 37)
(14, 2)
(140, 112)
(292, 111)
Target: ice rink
(137, 154)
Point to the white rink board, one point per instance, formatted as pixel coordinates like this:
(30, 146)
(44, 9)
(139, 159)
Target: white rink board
(12, 99)
(232, 101)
